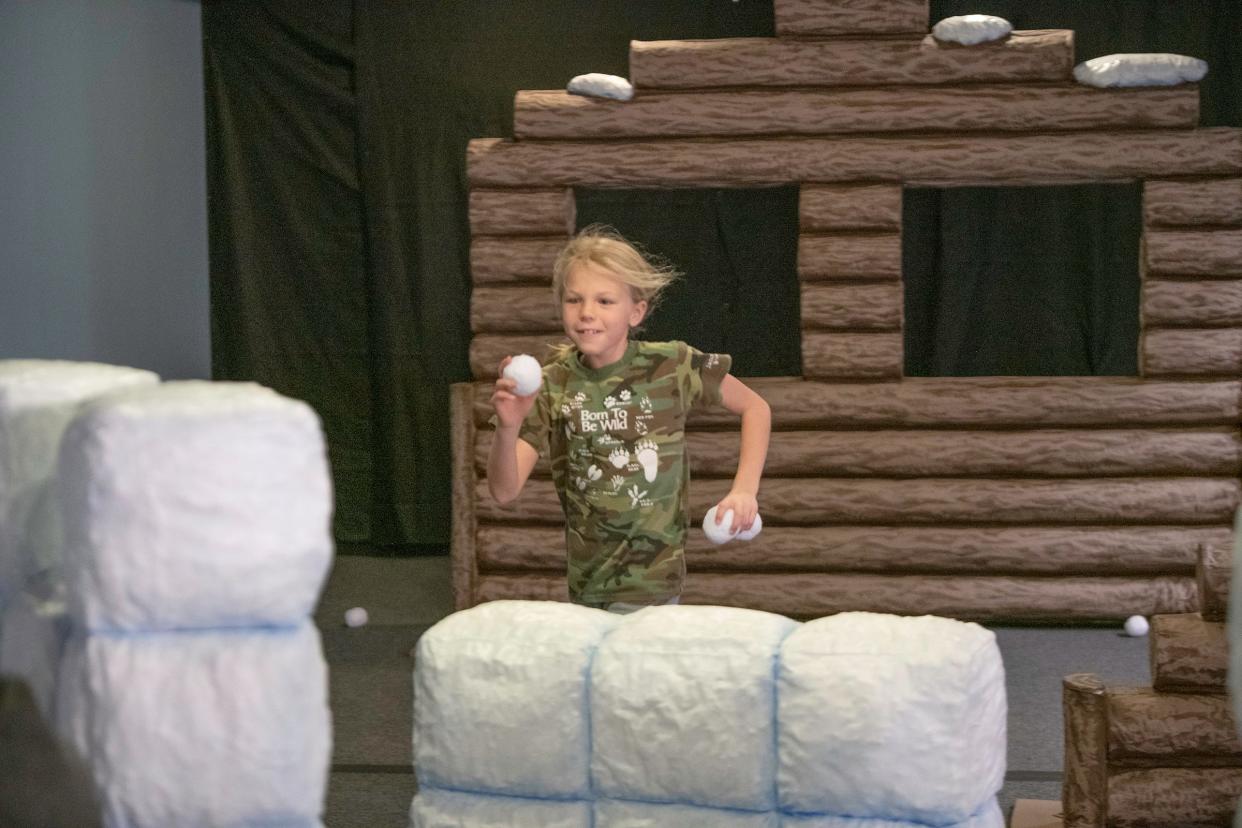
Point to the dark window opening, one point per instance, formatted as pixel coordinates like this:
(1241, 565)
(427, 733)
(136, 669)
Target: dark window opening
(738, 250)
(1022, 281)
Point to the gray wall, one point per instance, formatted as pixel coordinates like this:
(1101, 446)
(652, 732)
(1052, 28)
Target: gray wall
(103, 205)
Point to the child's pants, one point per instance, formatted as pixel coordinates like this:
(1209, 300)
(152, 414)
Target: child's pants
(622, 608)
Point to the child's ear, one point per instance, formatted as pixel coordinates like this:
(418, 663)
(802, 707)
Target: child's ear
(639, 312)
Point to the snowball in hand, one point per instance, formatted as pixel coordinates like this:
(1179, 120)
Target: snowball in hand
(718, 533)
(755, 528)
(525, 370)
(1136, 626)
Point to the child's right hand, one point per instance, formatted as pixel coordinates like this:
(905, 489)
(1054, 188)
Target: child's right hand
(511, 409)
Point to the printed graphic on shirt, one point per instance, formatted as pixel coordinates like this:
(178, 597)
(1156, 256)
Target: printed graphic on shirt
(617, 447)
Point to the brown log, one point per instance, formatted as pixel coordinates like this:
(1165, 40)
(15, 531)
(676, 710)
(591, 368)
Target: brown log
(939, 501)
(1041, 55)
(1168, 797)
(514, 309)
(1214, 572)
(852, 355)
(1213, 352)
(975, 402)
(465, 568)
(502, 259)
(1203, 201)
(1188, 654)
(1084, 793)
(850, 17)
(1216, 252)
(919, 160)
(875, 306)
(849, 256)
(926, 453)
(1171, 729)
(556, 113)
(1031, 600)
(824, 208)
(1022, 550)
(522, 212)
(487, 351)
(1171, 302)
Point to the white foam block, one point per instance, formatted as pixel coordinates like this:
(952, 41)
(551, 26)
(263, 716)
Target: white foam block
(194, 504)
(33, 631)
(433, 808)
(683, 707)
(1137, 69)
(500, 698)
(989, 816)
(611, 813)
(201, 728)
(889, 717)
(970, 29)
(600, 85)
(38, 398)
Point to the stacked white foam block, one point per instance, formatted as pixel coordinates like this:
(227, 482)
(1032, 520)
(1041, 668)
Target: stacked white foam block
(38, 398)
(196, 521)
(549, 714)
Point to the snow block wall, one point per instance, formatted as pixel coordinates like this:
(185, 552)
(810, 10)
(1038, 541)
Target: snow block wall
(549, 714)
(193, 525)
(38, 399)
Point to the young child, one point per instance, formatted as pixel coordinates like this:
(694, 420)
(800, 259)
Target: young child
(613, 413)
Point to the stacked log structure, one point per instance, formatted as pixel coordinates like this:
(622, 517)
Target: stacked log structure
(1021, 499)
(1168, 755)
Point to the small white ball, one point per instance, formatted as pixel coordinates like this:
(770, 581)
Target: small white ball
(525, 370)
(755, 529)
(355, 617)
(1136, 626)
(718, 533)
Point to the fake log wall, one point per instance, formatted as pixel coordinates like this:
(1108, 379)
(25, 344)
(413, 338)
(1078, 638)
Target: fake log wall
(1038, 499)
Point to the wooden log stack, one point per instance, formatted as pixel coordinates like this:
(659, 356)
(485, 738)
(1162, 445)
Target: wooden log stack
(1165, 756)
(1038, 499)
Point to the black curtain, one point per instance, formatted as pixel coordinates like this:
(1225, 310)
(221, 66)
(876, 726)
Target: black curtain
(336, 137)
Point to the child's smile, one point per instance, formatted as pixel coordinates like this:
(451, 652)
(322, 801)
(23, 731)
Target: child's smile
(598, 311)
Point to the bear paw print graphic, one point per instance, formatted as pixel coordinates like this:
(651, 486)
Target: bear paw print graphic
(648, 456)
(619, 457)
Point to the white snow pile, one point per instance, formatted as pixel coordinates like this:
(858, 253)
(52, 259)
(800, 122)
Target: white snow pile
(546, 714)
(599, 85)
(1156, 69)
(970, 29)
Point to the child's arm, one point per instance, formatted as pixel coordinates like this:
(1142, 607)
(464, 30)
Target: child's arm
(511, 458)
(756, 428)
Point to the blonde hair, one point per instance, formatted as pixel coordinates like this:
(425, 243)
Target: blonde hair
(604, 247)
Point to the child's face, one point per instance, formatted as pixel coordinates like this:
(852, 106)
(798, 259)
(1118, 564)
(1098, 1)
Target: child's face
(598, 311)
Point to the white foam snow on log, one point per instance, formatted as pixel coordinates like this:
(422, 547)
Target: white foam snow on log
(611, 813)
(1157, 69)
(33, 631)
(989, 816)
(453, 809)
(500, 699)
(194, 504)
(897, 718)
(600, 85)
(969, 29)
(668, 691)
(38, 398)
(226, 727)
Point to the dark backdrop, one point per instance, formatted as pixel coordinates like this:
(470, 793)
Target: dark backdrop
(336, 137)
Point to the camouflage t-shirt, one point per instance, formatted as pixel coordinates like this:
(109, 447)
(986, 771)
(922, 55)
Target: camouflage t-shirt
(616, 437)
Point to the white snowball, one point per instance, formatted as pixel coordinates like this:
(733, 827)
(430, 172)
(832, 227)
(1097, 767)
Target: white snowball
(525, 370)
(1160, 69)
(969, 29)
(718, 533)
(356, 617)
(599, 85)
(755, 529)
(1136, 626)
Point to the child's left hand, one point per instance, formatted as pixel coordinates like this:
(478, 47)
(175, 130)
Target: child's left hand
(745, 507)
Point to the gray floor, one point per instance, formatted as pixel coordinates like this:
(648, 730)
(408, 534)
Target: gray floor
(372, 780)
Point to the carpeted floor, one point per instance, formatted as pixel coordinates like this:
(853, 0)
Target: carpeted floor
(372, 778)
